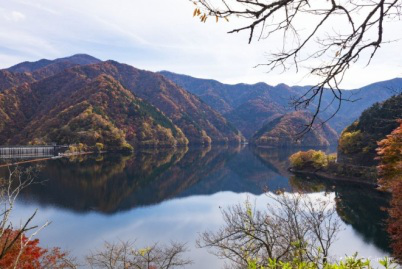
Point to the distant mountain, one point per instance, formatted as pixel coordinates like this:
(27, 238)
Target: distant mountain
(285, 130)
(50, 100)
(249, 107)
(28, 72)
(110, 103)
(358, 142)
(85, 111)
(246, 106)
(29, 67)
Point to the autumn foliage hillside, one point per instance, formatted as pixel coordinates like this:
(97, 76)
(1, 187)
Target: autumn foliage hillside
(251, 106)
(82, 100)
(198, 121)
(70, 109)
(358, 142)
(28, 72)
(285, 131)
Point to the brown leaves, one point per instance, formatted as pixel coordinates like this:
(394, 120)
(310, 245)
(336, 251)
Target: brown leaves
(204, 16)
(197, 12)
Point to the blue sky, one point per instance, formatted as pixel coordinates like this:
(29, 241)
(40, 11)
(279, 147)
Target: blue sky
(158, 35)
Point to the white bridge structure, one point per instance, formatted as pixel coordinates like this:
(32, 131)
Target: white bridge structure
(28, 151)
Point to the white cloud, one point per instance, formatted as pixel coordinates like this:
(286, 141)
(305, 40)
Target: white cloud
(14, 16)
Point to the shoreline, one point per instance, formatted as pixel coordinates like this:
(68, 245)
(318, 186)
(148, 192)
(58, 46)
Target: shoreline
(329, 176)
(48, 158)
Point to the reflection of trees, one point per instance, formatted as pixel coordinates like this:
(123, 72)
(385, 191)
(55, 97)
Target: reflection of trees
(110, 183)
(276, 159)
(242, 172)
(357, 205)
(192, 168)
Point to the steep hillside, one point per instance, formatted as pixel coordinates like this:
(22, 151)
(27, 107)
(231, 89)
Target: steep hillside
(358, 142)
(28, 72)
(254, 114)
(249, 107)
(198, 121)
(66, 102)
(9, 79)
(284, 132)
(71, 109)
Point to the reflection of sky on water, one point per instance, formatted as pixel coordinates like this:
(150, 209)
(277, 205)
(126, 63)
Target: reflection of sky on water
(180, 219)
(175, 195)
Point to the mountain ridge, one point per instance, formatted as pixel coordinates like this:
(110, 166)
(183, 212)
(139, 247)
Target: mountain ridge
(37, 105)
(285, 130)
(206, 111)
(29, 72)
(250, 106)
(27, 66)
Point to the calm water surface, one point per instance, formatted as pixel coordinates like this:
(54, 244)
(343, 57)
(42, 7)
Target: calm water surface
(159, 196)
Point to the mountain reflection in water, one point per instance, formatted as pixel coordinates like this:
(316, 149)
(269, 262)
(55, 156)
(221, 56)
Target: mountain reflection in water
(112, 184)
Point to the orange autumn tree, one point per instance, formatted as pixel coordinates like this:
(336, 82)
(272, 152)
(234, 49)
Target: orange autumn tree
(27, 254)
(390, 178)
(18, 250)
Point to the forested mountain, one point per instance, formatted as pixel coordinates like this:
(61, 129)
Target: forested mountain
(105, 102)
(29, 67)
(82, 99)
(28, 72)
(285, 130)
(9, 79)
(198, 121)
(85, 111)
(249, 107)
(358, 142)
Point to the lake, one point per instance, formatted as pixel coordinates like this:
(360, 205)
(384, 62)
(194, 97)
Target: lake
(165, 195)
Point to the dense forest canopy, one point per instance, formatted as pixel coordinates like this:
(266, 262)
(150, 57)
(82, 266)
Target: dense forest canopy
(358, 142)
(106, 105)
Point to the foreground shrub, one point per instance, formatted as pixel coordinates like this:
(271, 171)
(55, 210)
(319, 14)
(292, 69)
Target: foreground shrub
(292, 226)
(349, 263)
(127, 255)
(311, 160)
(18, 251)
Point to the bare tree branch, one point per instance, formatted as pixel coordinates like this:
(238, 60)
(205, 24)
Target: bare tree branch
(124, 254)
(292, 226)
(357, 31)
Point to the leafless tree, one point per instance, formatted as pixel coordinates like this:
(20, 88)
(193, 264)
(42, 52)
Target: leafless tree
(10, 188)
(125, 255)
(293, 225)
(340, 33)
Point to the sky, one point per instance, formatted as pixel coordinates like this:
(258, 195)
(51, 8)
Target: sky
(160, 35)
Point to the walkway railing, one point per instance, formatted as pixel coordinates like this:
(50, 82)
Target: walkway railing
(27, 151)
